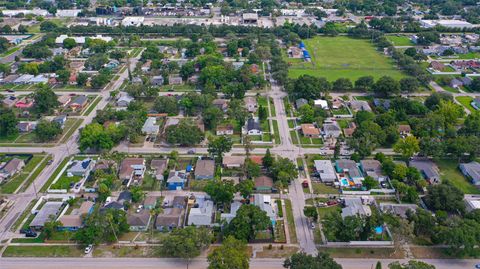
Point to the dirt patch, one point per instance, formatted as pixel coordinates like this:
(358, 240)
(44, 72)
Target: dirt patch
(277, 252)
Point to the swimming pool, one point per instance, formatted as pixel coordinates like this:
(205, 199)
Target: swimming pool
(379, 230)
(344, 182)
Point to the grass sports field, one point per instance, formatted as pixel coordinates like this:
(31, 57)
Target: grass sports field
(343, 57)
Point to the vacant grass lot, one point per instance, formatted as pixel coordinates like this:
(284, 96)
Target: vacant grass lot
(400, 40)
(42, 251)
(466, 102)
(449, 171)
(343, 57)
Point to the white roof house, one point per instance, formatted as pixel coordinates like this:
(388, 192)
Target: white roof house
(446, 23)
(201, 215)
(321, 103)
(150, 127)
(355, 207)
(133, 21)
(234, 207)
(68, 12)
(81, 39)
(472, 202)
(325, 170)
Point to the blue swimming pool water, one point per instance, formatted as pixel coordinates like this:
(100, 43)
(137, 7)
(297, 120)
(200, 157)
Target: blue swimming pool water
(379, 230)
(344, 182)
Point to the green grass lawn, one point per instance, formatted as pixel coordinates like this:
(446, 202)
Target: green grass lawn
(344, 57)
(276, 135)
(293, 135)
(64, 182)
(323, 211)
(54, 175)
(92, 106)
(399, 40)
(35, 174)
(466, 102)
(13, 183)
(43, 251)
(291, 222)
(320, 188)
(449, 171)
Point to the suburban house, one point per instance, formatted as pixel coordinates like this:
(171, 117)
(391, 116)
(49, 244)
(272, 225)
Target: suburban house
(337, 103)
(226, 129)
(204, 169)
(233, 161)
(265, 203)
(176, 180)
(471, 171)
(356, 207)
(125, 197)
(222, 104)
(124, 99)
(372, 168)
(175, 79)
(81, 168)
(139, 222)
(398, 209)
(263, 184)
(325, 171)
(476, 103)
(250, 104)
(331, 129)
(350, 171)
(64, 100)
(9, 101)
(150, 202)
(253, 127)
(234, 207)
(301, 102)
(25, 103)
(113, 205)
(49, 211)
(360, 105)
(26, 126)
(61, 119)
(202, 212)
(12, 167)
(170, 218)
(150, 126)
(159, 166)
(321, 103)
(309, 130)
(404, 130)
(437, 66)
(131, 170)
(157, 80)
(73, 221)
(146, 66)
(79, 103)
(428, 169)
(472, 202)
(348, 132)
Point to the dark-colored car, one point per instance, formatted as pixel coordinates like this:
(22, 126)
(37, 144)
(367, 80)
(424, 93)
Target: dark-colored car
(330, 203)
(49, 162)
(31, 234)
(24, 231)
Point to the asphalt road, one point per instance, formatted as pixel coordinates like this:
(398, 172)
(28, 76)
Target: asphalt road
(149, 263)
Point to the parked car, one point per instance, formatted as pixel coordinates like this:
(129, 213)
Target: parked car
(312, 225)
(30, 233)
(49, 162)
(24, 231)
(330, 203)
(88, 249)
(191, 151)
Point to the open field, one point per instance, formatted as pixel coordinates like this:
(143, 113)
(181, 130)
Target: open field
(343, 57)
(42, 251)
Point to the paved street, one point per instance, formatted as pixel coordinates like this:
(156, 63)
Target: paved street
(149, 263)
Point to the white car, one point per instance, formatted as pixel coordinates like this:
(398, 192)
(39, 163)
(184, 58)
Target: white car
(312, 225)
(88, 249)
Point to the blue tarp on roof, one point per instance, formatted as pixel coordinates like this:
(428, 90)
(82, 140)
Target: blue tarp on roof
(306, 54)
(301, 45)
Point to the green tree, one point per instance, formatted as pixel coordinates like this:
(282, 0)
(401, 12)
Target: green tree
(222, 192)
(245, 187)
(249, 220)
(218, 146)
(211, 116)
(49, 228)
(95, 137)
(45, 100)
(8, 122)
(82, 79)
(47, 130)
(386, 86)
(267, 160)
(262, 113)
(100, 80)
(137, 194)
(186, 243)
(304, 261)
(364, 83)
(378, 265)
(63, 76)
(102, 227)
(284, 170)
(69, 43)
(311, 212)
(184, 133)
(103, 192)
(232, 253)
(252, 170)
(166, 104)
(407, 147)
(446, 197)
(370, 183)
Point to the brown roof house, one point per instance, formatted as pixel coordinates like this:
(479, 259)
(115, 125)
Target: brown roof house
(263, 184)
(250, 104)
(437, 66)
(150, 202)
(73, 221)
(175, 79)
(222, 104)
(139, 222)
(233, 161)
(131, 170)
(226, 129)
(309, 130)
(404, 129)
(170, 218)
(348, 132)
(205, 169)
(159, 165)
(9, 169)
